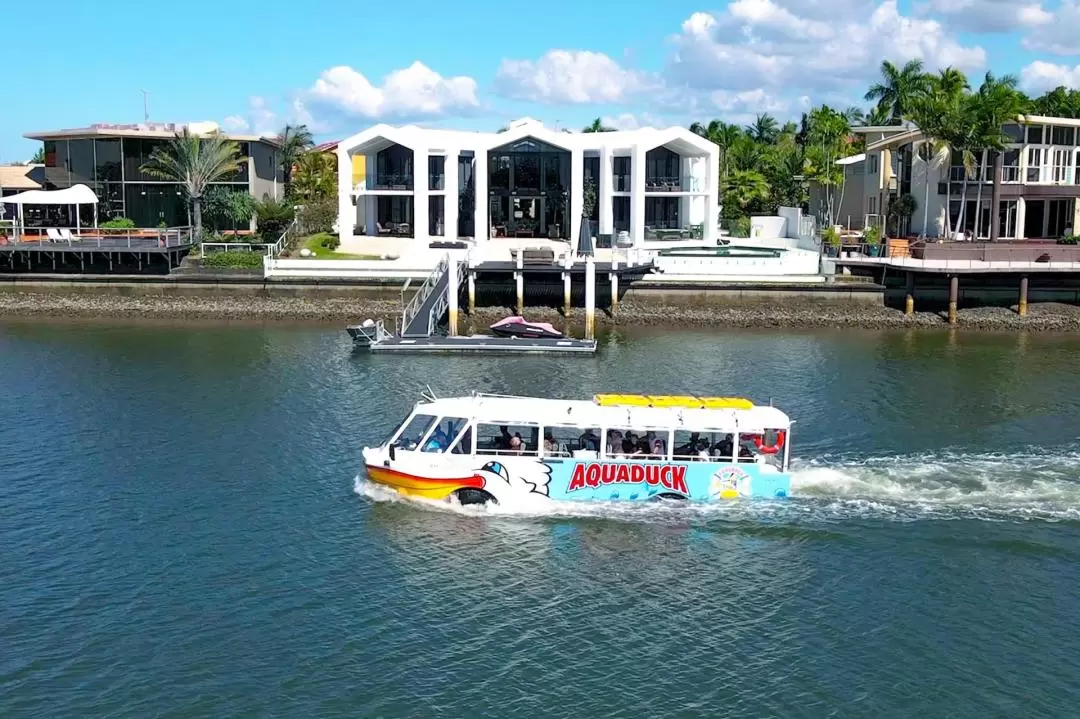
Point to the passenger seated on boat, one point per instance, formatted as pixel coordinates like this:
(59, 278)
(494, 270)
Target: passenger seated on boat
(644, 451)
(589, 441)
(745, 453)
(464, 445)
(550, 445)
(628, 448)
(658, 450)
(725, 448)
(703, 451)
(516, 445)
(689, 449)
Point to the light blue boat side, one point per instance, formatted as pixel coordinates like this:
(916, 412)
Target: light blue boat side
(608, 480)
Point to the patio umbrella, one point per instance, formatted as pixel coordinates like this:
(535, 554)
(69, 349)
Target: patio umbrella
(584, 244)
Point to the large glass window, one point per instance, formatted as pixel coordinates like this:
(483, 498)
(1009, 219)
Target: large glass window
(444, 434)
(57, 165)
(437, 215)
(109, 160)
(410, 435)
(527, 172)
(137, 152)
(636, 443)
(500, 172)
(1062, 136)
(1014, 132)
(662, 169)
(508, 439)
(436, 172)
(704, 446)
(394, 167)
(1034, 134)
(81, 157)
(150, 205)
(571, 441)
(621, 171)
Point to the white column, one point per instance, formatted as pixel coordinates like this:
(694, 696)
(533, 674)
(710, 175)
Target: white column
(450, 203)
(577, 192)
(710, 185)
(637, 196)
(1021, 216)
(480, 184)
(420, 195)
(346, 210)
(603, 191)
(371, 213)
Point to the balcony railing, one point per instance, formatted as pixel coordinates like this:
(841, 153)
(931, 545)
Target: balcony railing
(663, 184)
(673, 230)
(385, 181)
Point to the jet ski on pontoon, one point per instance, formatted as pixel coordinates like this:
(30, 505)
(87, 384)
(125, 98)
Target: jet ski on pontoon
(520, 327)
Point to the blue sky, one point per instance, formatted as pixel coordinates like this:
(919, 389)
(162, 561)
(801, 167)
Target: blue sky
(340, 67)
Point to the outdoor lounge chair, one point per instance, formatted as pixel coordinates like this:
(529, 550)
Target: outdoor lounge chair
(54, 235)
(66, 236)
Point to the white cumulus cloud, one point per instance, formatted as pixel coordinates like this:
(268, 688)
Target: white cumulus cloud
(413, 92)
(1040, 76)
(773, 45)
(570, 77)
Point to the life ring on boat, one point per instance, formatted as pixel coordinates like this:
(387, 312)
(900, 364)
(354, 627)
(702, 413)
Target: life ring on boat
(759, 442)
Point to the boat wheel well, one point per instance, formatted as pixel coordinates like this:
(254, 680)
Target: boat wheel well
(471, 495)
(669, 496)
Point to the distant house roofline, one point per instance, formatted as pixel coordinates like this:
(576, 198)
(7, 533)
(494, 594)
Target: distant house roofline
(156, 130)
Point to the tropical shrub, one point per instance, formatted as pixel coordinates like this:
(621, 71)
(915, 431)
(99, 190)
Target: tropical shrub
(317, 216)
(234, 260)
(330, 241)
(1069, 240)
(273, 216)
(118, 223)
(741, 227)
(872, 235)
(830, 236)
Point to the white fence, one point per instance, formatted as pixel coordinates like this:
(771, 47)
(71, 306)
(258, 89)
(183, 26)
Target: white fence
(343, 269)
(790, 262)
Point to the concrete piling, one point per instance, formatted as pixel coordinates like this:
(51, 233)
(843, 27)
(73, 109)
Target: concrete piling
(590, 298)
(954, 296)
(1021, 306)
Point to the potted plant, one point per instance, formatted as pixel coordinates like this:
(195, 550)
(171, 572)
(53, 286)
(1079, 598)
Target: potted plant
(872, 238)
(830, 241)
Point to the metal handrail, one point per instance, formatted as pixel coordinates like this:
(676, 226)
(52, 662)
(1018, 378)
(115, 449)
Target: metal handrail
(423, 293)
(108, 238)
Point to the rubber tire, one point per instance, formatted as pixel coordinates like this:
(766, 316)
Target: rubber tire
(668, 496)
(470, 495)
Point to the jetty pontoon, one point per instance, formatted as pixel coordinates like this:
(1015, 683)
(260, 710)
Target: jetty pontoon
(484, 448)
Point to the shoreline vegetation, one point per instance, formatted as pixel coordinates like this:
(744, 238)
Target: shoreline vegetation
(1051, 317)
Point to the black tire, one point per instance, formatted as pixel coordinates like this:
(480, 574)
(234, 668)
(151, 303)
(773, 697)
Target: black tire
(470, 495)
(668, 497)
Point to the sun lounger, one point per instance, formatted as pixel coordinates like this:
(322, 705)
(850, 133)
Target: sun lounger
(54, 235)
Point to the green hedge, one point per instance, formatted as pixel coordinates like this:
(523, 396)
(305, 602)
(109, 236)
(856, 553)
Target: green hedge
(234, 260)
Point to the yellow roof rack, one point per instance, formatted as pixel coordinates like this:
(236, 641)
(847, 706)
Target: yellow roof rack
(726, 403)
(664, 400)
(621, 400)
(686, 401)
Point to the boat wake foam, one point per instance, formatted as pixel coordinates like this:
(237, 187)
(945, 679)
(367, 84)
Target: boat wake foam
(1036, 484)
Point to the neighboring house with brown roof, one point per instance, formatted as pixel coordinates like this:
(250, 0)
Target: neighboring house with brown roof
(20, 178)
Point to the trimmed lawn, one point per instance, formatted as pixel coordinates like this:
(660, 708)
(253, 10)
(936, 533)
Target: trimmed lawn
(314, 243)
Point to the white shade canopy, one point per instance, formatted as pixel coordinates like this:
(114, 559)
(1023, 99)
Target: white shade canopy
(74, 195)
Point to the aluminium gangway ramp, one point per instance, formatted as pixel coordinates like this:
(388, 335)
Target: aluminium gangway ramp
(427, 307)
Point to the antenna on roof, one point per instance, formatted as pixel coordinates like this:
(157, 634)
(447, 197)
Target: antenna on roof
(146, 106)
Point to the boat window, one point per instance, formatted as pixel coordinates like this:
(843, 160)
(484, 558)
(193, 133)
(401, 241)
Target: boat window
(704, 446)
(639, 443)
(446, 431)
(464, 443)
(763, 447)
(510, 439)
(409, 437)
(571, 441)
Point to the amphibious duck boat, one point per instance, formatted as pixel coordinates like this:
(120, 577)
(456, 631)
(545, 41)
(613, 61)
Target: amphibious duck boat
(616, 447)
(520, 327)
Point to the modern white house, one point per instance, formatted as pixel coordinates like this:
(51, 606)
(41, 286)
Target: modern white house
(528, 181)
(1039, 183)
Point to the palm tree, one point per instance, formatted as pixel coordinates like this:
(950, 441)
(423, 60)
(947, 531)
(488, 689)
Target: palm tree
(744, 187)
(39, 157)
(194, 162)
(898, 88)
(316, 176)
(293, 140)
(1000, 103)
(597, 125)
(764, 130)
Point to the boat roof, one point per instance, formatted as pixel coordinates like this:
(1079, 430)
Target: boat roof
(620, 411)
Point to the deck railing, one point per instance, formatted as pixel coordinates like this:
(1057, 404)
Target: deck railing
(103, 238)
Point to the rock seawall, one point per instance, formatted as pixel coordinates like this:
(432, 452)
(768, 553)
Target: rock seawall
(1043, 317)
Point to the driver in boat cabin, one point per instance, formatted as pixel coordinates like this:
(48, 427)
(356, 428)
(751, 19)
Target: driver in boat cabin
(724, 448)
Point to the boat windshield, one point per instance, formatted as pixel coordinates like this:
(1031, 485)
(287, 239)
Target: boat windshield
(413, 431)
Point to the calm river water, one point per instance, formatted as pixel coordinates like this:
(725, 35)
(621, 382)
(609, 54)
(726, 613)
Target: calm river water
(185, 532)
